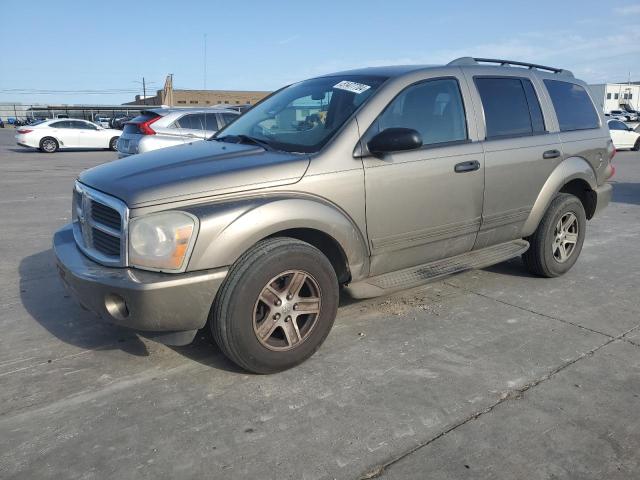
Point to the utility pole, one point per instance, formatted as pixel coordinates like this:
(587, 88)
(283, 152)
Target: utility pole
(205, 61)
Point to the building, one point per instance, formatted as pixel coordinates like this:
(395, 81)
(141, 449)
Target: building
(198, 98)
(616, 96)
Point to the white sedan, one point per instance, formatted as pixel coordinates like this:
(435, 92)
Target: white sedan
(52, 135)
(623, 136)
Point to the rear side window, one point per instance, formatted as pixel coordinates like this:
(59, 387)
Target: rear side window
(191, 121)
(434, 108)
(574, 108)
(60, 125)
(511, 107)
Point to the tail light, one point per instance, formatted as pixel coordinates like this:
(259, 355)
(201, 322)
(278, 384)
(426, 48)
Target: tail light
(145, 128)
(23, 131)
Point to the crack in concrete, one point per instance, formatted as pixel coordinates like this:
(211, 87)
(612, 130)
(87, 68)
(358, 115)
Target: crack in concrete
(514, 394)
(525, 309)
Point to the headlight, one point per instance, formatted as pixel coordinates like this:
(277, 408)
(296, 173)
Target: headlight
(161, 241)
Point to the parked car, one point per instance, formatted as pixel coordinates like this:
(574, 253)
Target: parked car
(119, 120)
(375, 179)
(623, 136)
(623, 115)
(51, 135)
(1, 123)
(102, 121)
(166, 127)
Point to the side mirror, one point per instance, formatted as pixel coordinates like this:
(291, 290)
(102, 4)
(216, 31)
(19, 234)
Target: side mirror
(394, 140)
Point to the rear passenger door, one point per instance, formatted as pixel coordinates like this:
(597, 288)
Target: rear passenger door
(521, 150)
(197, 125)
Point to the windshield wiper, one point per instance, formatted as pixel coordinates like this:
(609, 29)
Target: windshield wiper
(245, 139)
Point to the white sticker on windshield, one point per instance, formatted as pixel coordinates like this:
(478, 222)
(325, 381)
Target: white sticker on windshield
(352, 86)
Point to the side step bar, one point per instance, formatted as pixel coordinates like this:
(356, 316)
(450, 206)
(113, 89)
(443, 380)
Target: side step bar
(414, 276)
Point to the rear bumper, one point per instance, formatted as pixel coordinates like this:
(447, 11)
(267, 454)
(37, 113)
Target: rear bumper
(603, 197)
(145, 301)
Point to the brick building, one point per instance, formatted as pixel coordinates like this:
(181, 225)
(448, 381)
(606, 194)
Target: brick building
(193, 98)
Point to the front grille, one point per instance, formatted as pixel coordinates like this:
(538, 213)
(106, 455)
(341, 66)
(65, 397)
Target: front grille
(105, 243)
(106, 215)
(99, 222)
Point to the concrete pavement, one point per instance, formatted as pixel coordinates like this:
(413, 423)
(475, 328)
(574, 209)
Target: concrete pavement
(489, 374)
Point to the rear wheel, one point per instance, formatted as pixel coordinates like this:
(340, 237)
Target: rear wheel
(557, 242)
(48, 145)
(113, 143)
(276, 306)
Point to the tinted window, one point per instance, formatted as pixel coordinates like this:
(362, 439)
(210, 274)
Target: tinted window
(574, 108)
(617, 125)
(60, 125)
(433, 108)
(194, 121)
(83, 126)
(210, 121)
(511, 107)
(228, 117)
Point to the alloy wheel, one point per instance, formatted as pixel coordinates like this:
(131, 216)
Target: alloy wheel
(287, 310)
(565, 237)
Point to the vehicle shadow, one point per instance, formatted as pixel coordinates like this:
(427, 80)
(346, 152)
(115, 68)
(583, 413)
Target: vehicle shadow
(45, 298)
(624, 192)
(47, 301)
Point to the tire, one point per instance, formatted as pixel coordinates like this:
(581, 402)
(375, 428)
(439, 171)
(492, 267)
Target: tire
(636, 146)
(112, 143)
(49, 145)
(547, 244)
(240, 312)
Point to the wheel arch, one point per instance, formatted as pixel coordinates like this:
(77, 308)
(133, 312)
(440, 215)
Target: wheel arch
(573, 175)
(227, 232)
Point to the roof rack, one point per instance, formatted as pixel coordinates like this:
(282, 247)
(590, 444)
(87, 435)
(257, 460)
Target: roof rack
(507, 63)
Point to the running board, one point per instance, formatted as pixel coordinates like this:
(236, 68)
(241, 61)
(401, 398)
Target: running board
(414, 276)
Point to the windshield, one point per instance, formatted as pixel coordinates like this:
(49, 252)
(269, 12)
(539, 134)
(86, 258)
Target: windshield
(304, 116)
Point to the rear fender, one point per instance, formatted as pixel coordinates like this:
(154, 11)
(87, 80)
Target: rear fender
(569, 169)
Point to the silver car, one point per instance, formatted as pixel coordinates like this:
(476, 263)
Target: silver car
(166, 127)
(374, 180)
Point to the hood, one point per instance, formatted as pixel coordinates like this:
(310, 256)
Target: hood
(194, 170)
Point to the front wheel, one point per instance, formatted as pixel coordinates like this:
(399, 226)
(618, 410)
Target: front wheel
(557, 242)
(113, 144)
(276, 306)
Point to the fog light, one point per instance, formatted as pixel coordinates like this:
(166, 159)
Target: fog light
(116, 306)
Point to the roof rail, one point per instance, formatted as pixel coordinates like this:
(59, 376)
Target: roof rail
(507, 63)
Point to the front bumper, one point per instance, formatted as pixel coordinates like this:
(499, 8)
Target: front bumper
(603, 197)
(137, 299)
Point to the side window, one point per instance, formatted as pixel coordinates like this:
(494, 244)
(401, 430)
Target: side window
(210, 121)
(617, 125)
(83, 126)
(573, 107)
(193, 121)
(228, 117)
(434, 108)
(511, 107)
(59, 125)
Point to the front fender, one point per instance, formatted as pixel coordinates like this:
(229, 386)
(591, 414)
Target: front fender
(569, 169)
(228, 230)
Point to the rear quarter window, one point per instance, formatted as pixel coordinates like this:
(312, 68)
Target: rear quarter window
(574, 108)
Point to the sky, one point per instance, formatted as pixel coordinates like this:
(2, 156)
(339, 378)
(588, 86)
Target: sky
(97, 52)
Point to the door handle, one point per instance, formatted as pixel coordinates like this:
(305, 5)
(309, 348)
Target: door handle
(467, 166)
(551, 154)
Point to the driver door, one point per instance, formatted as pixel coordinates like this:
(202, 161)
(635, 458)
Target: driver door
(88, 135)
(424, 204)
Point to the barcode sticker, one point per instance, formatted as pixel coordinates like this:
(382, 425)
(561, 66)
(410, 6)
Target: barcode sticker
(352, 87)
